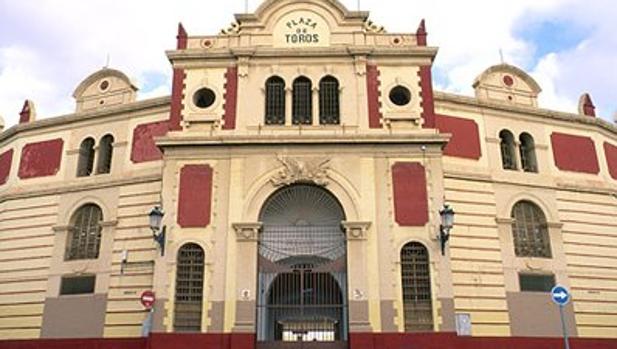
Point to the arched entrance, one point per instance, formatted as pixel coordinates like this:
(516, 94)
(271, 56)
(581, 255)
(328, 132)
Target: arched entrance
(302, 266)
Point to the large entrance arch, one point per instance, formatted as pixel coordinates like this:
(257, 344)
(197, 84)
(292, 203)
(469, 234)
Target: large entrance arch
(302, 270)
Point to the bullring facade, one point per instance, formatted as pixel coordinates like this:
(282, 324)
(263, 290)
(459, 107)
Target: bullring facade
(301, 163)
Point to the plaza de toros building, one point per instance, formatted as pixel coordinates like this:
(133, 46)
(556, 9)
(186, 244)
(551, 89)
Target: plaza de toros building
(301, 165)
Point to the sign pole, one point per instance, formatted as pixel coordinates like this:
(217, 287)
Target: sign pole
(564, 328)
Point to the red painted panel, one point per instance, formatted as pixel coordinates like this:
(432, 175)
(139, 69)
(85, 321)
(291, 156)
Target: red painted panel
(177, 95)
(428, 102)
(231, 98)
(194, 201)
(611, 159)
(410, 196)
(202, 340)
(372, 87)
(465, 141)
(94, 343)
(144, 149)
(575, 153)
(6, 160)
(41, 159)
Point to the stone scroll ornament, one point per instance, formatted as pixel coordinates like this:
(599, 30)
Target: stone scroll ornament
(308, 170)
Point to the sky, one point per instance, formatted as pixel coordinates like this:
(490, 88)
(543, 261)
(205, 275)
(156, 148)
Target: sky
(47, 47)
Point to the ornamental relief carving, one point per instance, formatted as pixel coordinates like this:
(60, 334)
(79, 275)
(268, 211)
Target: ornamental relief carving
(306, 170)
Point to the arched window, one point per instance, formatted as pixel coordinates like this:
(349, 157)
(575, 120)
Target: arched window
(85, 233)
(189, 288)
(528, 153)
(416, 281)
(275, 101)
(508, 150)
(302, 101)
(85, 163)
(530, 231)
(329, 109)
(106, 149)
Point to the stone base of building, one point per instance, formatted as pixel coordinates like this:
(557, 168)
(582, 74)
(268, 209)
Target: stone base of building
(357, 341)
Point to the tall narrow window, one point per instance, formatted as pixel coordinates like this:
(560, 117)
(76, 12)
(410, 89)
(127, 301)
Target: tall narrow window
(106, 149)
(530, 231)
(508, 150)
(302, 101)
(416, 281)
(85, 163)
(85, 233)
(329, 109)
(528, 153)
(189, 289)
(275, 101)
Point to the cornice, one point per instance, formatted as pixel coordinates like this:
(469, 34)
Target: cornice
(304, 139)
(546, 114)
(121, 111)
(61, 188)
(180, 56)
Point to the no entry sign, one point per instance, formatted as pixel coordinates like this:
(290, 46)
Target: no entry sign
(147, 299)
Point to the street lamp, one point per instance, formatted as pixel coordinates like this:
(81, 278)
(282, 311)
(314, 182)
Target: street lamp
(447, 221)
(158, 230)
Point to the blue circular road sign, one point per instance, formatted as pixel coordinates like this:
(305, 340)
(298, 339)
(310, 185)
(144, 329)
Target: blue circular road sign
(560, 295)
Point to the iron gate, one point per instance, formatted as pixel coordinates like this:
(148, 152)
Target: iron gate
(302, 277)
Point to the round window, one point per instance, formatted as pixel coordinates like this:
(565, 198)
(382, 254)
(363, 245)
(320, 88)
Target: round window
(104, 85)
(204, 98)
(400, 95)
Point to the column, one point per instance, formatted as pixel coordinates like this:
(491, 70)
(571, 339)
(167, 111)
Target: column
(357, 276)
(247, 235)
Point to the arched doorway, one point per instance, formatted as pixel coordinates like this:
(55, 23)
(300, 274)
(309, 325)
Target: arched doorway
(302, 267)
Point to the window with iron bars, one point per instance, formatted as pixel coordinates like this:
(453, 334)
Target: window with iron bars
(275, 101)
(85, 163)
(508, 157)
(106, 150)
(189, 289)
(329, 108)
(302, 102)
(528, 153)
(85, 234)
(416, 281)
(530, 232)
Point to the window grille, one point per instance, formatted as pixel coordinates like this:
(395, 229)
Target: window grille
(416, 281)
(106, 149)
(536, 282)
(329, 108)
(530, 231)
(508, 157)
(70, 285)
(189, 289)
(528, 153)
(85, 233)
(85, 163)
(275, 101)
(302, 101)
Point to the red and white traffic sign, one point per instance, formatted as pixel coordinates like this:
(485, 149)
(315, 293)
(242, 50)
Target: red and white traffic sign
(147, 299)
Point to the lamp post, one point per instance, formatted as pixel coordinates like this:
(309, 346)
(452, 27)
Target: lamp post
(447, 221)
(158, 230)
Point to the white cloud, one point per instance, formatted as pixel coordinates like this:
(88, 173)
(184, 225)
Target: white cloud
(64, 41)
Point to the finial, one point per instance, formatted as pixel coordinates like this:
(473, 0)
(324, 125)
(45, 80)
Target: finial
(27, 113)
(421, 33)
(586, 106)
(503, 61)
(182, 37)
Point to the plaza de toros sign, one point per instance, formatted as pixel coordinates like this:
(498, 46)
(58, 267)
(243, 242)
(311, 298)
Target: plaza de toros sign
(301, 29)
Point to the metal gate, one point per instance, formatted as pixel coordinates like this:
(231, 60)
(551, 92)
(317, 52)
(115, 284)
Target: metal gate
(302, 277)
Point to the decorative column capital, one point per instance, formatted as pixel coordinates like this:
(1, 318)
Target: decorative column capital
(356, 230)
(247, 231)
